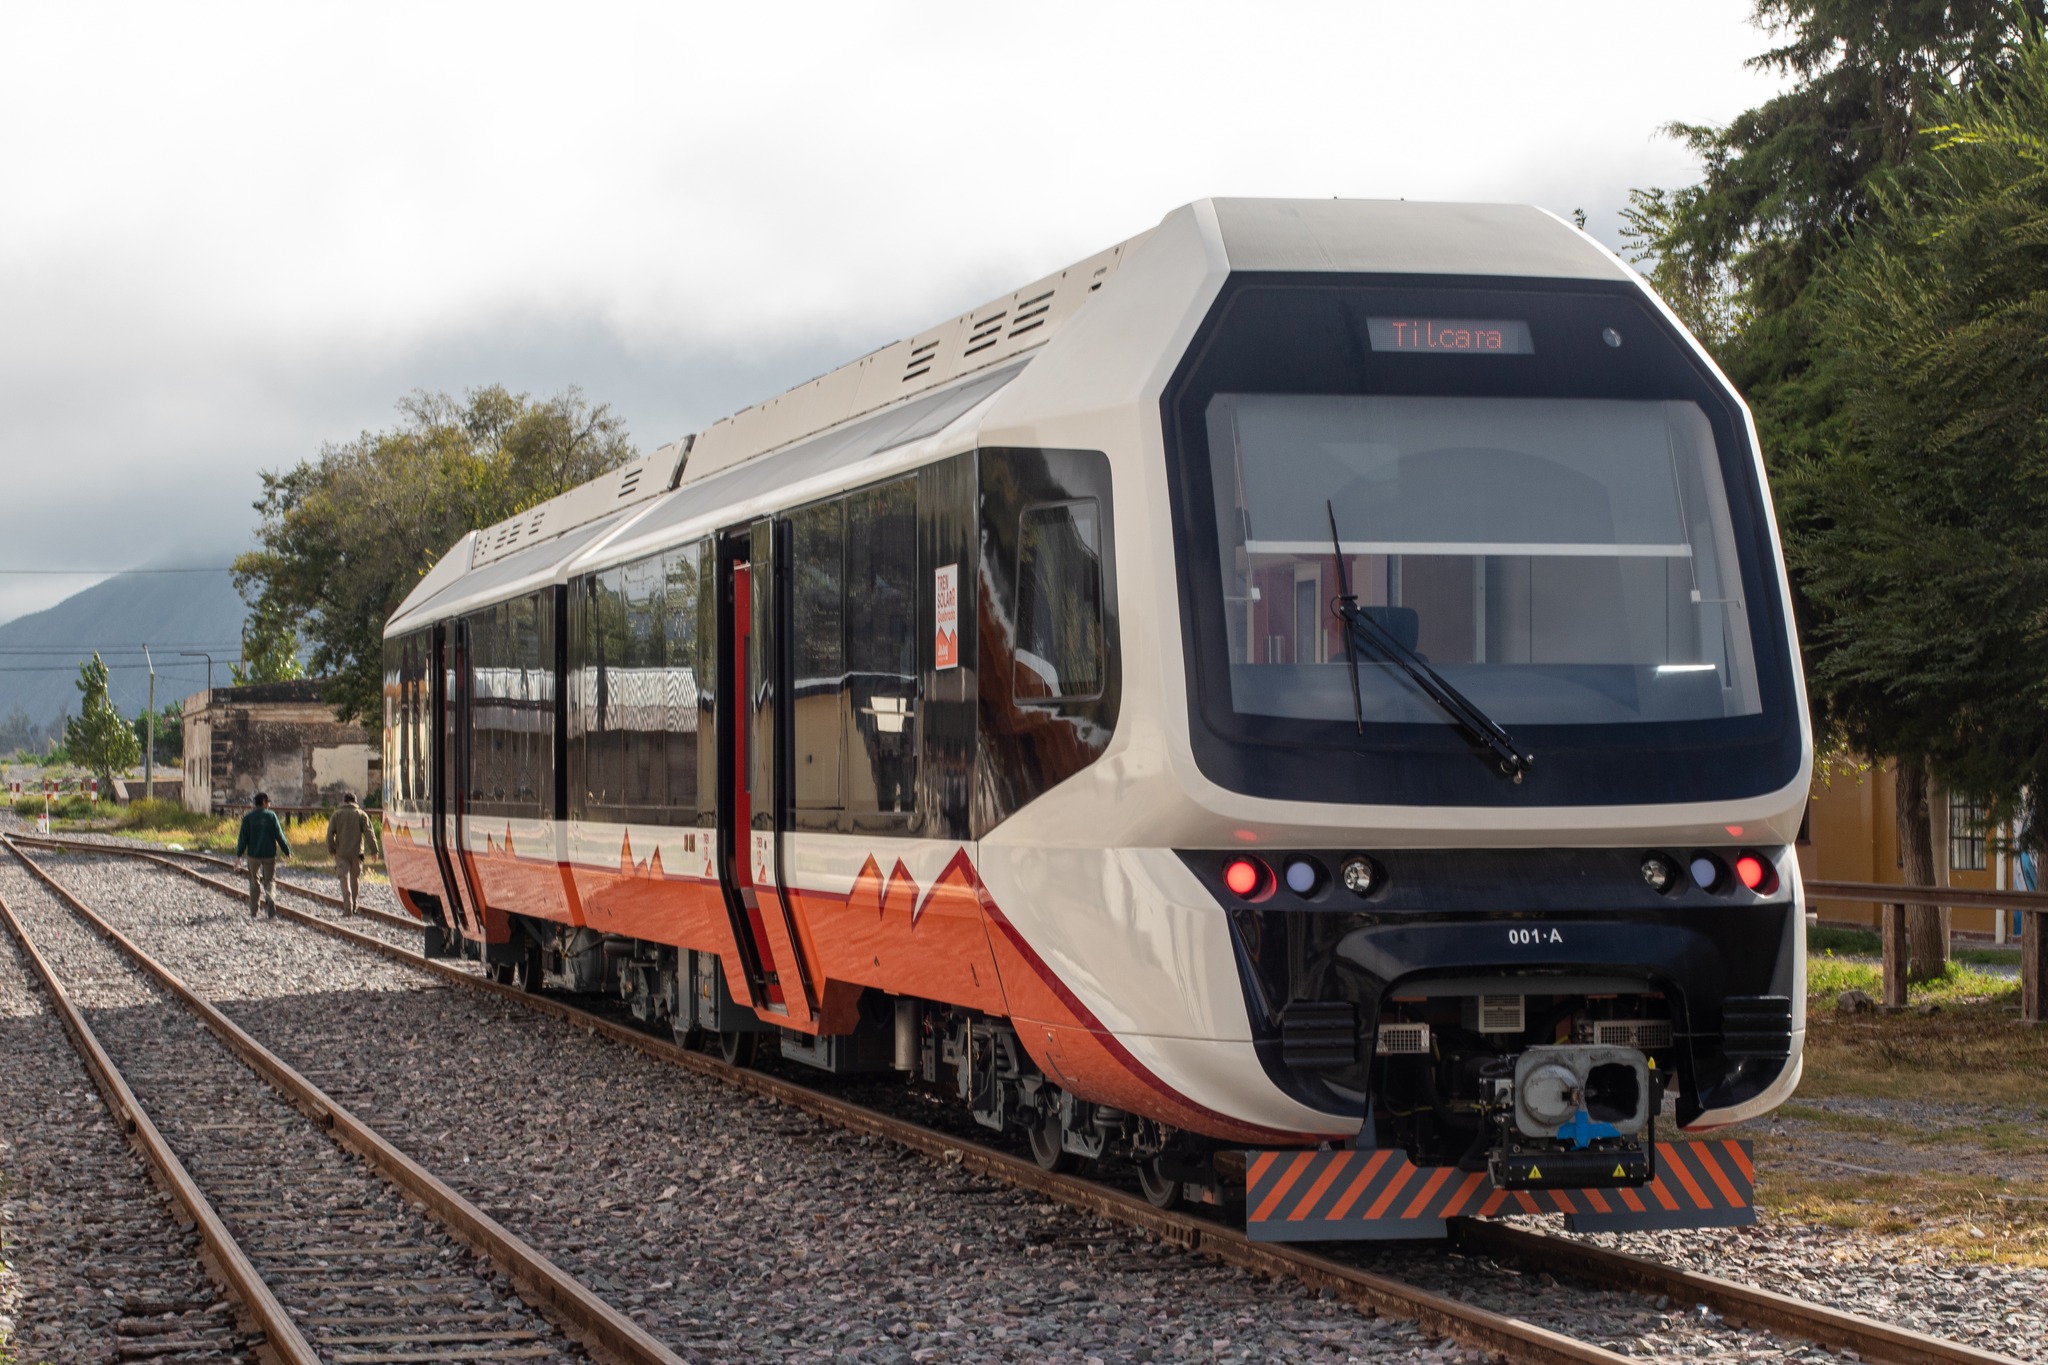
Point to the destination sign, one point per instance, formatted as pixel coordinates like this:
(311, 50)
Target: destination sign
(1451, 336)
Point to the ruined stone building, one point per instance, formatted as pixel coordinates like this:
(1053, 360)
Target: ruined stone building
(279, 738)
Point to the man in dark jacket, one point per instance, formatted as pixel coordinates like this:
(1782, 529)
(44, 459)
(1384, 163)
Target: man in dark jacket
(260, 841)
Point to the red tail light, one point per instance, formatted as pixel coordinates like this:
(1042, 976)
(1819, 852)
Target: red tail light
(1243, 876)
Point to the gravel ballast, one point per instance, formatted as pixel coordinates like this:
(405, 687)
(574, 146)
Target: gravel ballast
(365, 1273)
(87, 1240)
(737, 1229)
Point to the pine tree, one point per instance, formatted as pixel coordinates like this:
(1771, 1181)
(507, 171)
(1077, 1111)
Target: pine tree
(1920, 536)
(99, 740)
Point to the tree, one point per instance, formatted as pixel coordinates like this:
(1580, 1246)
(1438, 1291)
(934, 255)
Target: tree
(270, 654)
(99, 740)
(347, 535)
(1784, 181)
(1921, 535)
(1741, 254)
(18, 731)
(170, 732)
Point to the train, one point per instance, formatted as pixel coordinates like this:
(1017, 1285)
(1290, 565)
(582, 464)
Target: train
(1314, 683)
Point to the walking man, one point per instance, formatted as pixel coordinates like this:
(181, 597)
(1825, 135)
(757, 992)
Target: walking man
(348, 829)
(260, 841)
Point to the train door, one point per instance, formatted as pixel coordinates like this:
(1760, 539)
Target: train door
(760, 813)
(441, 760)
(451, 790)
(735, 742)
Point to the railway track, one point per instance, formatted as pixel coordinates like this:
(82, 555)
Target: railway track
(318, 1226)
(1438, 1314)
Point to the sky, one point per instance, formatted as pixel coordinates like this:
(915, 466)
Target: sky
(230, 233)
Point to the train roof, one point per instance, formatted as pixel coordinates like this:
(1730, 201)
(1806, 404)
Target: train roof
(927, 390)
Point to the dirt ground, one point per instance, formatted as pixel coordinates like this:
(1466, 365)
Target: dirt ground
(1933, 1127)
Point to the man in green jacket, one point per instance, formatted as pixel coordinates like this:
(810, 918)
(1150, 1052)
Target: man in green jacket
(260, 841)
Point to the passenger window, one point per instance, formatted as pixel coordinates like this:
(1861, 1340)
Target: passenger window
(881, 648)
(818, 593)
(1059, 604)
(680, 571)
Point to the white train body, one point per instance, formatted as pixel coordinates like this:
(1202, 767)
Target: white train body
(1101, 763)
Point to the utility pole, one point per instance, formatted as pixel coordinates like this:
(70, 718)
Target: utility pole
(200, 654)
(149, 745)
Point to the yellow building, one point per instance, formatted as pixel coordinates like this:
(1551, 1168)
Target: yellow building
(1851, 835)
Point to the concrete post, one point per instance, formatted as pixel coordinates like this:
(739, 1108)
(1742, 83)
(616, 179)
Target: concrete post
(149, 730)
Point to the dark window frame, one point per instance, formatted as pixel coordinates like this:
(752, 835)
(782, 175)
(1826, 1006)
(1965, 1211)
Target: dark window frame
(845, 816)
(601, 756)
(1430, 764)
(1101, 670)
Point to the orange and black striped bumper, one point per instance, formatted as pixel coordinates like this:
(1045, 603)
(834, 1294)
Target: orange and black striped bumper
(1360, 1194)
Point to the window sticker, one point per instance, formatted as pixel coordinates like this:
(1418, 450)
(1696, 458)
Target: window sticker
(946, 617)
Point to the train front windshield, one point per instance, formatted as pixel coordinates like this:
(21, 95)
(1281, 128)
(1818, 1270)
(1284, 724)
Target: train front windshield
(1559, 561)
(1540, 495)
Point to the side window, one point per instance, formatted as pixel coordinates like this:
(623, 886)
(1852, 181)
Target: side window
(818, 650)
(707, 682)
(633, 694)
(881, 648)
(532, 621)
(680, 570)
(486, 735)
(605, 766)
(1059, 604)
(512, 715)
(636, 690)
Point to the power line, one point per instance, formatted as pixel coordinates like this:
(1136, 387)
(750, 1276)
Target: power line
(67, 668)
(196, 647)
(108, 573)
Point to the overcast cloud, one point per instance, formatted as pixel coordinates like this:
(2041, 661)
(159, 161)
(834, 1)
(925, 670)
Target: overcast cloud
(230, 233)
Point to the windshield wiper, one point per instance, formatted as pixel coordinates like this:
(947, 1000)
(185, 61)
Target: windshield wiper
(1478, 727)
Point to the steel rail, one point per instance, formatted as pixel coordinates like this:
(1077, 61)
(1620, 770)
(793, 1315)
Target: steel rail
(581, 1310)
(1434, 1313)
(232, 1265)
(211, 859)
(1735, 1302)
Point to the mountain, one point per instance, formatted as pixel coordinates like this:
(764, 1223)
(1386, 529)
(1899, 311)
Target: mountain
(170, 612)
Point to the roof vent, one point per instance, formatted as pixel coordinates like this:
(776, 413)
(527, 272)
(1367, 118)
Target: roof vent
(1030, 314)
(630, 480)
(987, 332)
(921, 358)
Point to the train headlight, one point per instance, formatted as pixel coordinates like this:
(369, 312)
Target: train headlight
(1361, 875)
(1659, 872)
(1304, 876)
(1707, 872)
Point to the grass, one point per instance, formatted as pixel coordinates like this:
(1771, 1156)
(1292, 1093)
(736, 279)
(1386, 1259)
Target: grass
(169, 825)
(1827, 976)
(1973, 1183)
(1977, 1217)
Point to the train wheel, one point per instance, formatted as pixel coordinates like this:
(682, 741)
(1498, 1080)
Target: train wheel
(740, 1047)
(533, 967)
(1161, 1191)
(501, 972)
(1046, 1149)
(687, 1036)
